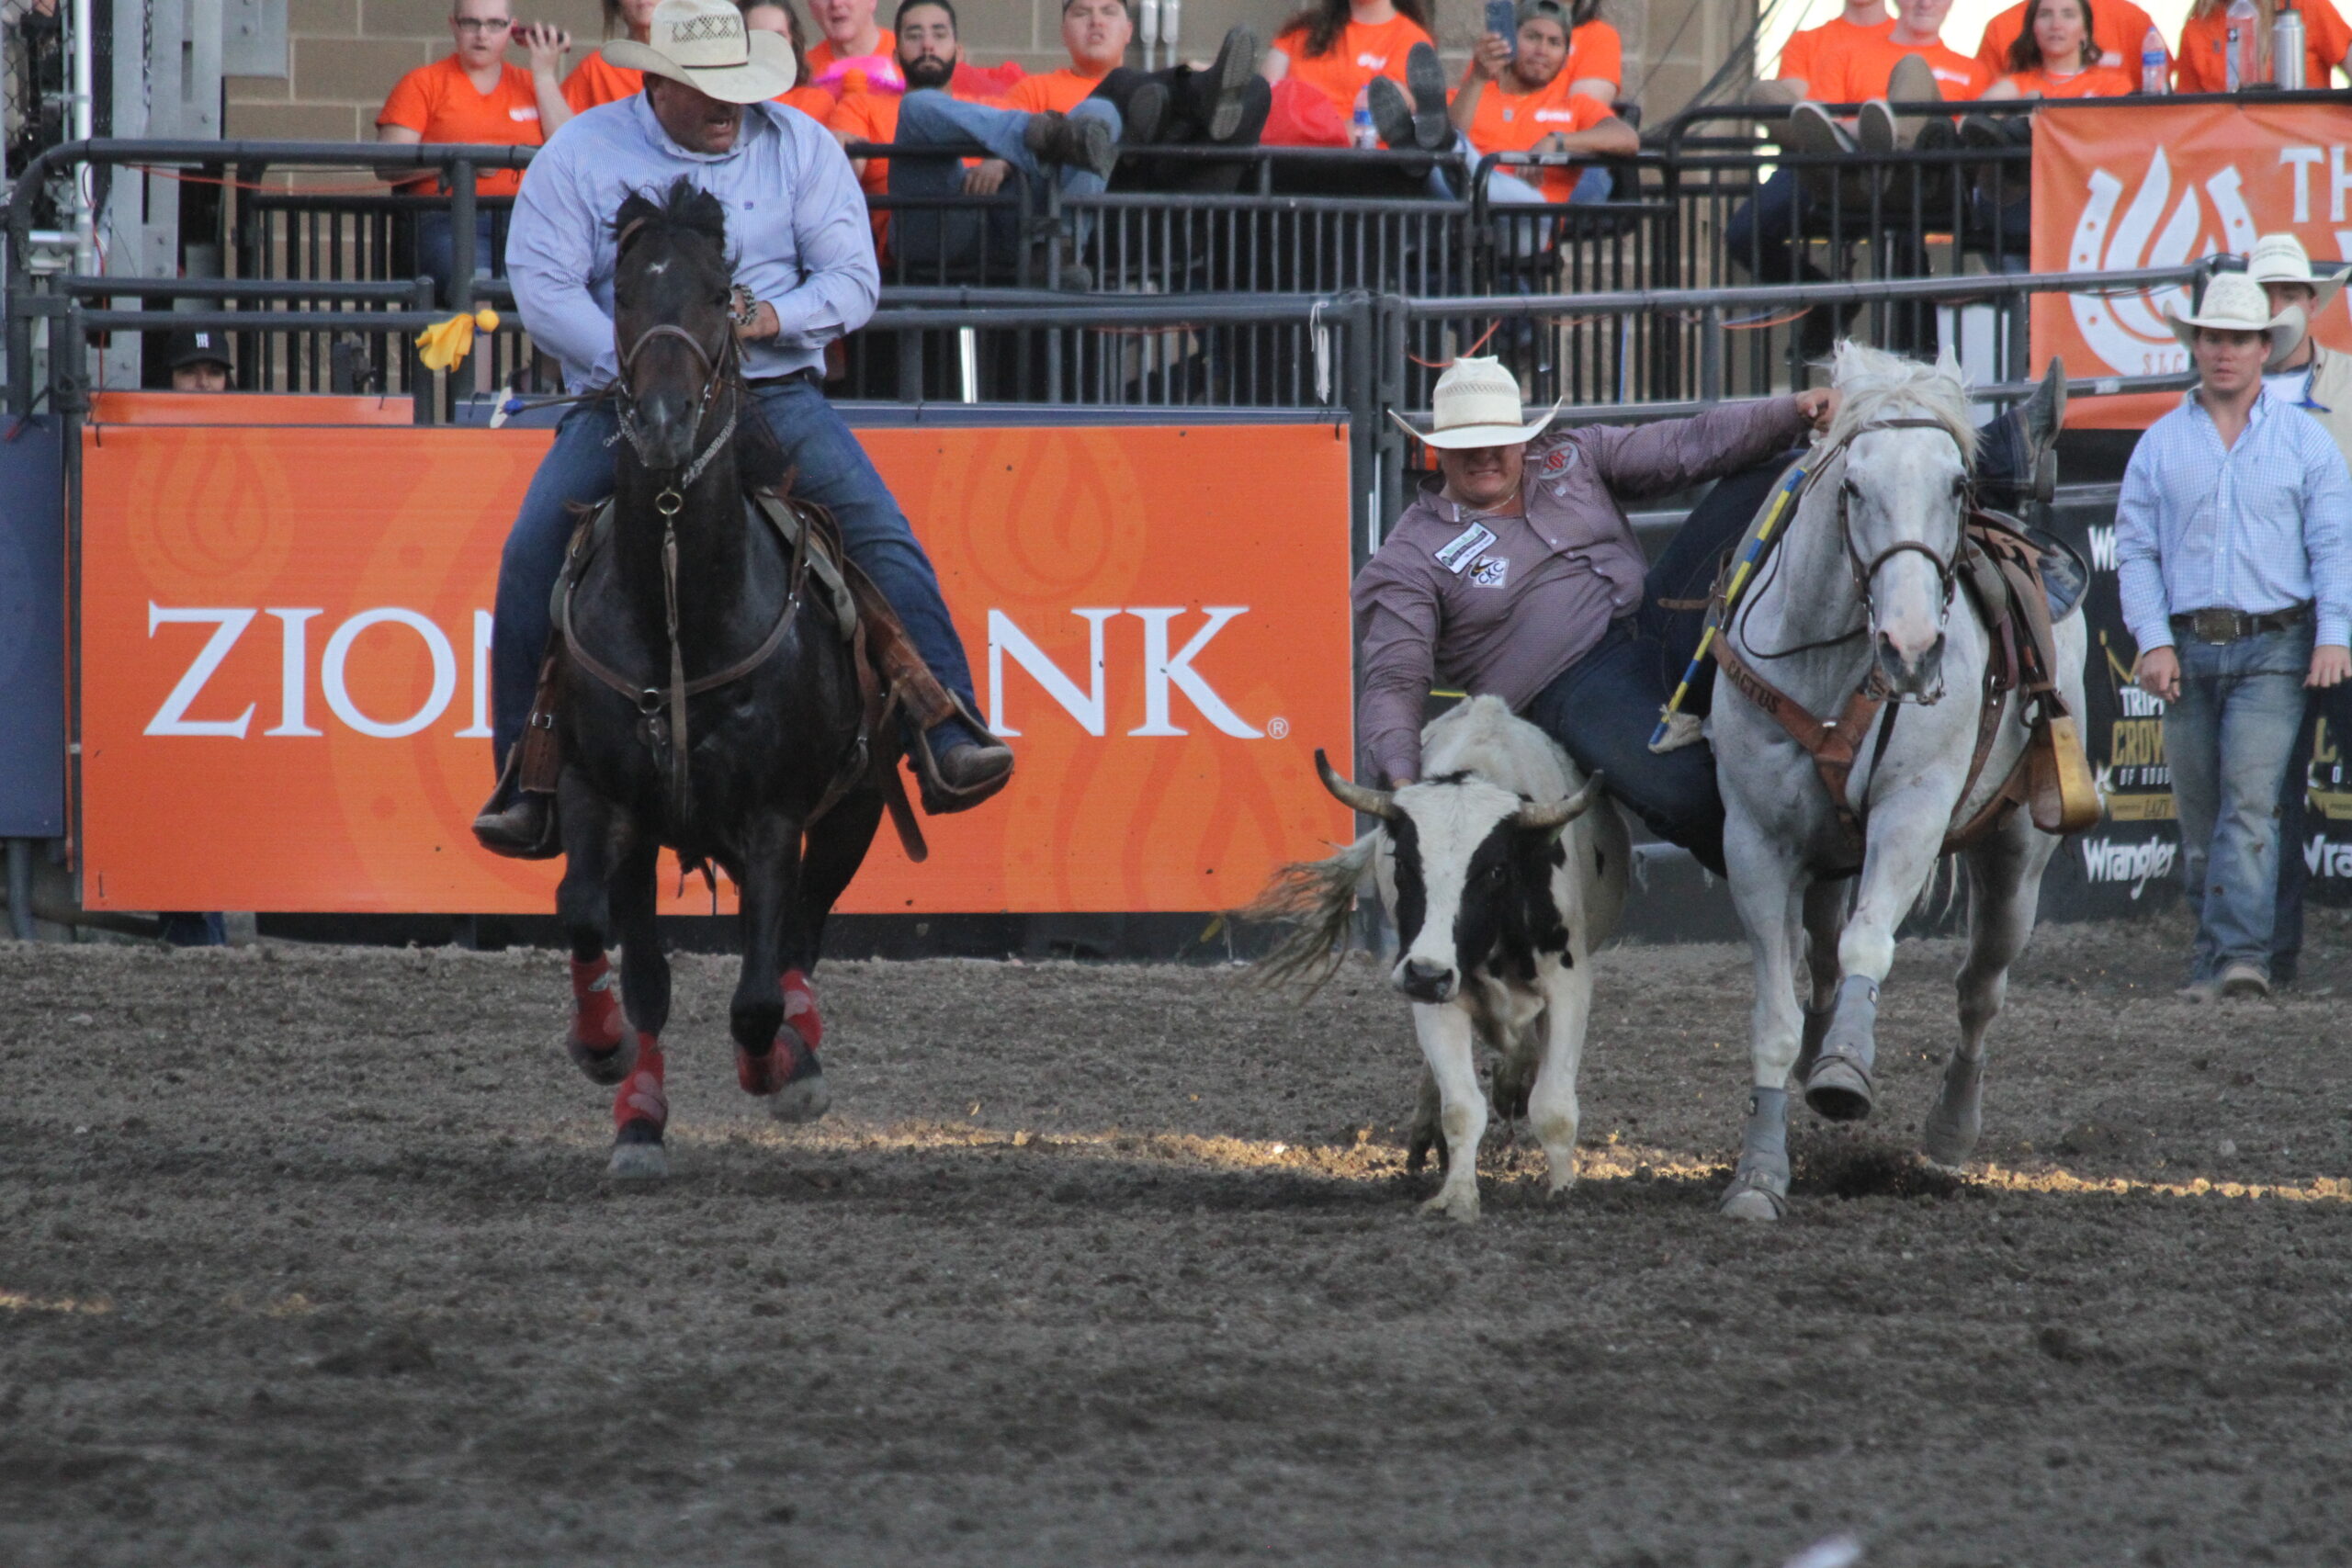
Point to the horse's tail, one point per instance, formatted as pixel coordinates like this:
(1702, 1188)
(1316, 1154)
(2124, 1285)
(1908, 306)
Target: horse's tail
(1314, 899)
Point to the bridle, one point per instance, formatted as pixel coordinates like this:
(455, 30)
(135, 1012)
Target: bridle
(716, 374)
(1865, 572)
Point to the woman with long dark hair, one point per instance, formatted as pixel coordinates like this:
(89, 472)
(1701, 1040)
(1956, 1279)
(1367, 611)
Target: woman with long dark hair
(2055, 57)
(1339, 46)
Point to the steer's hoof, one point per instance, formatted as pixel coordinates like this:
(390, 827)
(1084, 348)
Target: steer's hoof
(637, 1154)
(1839, 1090)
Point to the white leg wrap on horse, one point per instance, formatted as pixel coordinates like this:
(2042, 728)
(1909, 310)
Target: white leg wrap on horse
(1839, 1086)
(1761, 1184)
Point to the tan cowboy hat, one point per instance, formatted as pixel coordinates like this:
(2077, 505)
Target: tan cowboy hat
(1477, 404)
(704, 44)
(2280, 258)
(2235, 303)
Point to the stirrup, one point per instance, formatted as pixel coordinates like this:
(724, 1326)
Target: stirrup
(505, 825)
(940, 798)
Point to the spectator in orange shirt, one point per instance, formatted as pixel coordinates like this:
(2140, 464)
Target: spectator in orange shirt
(1596, 65)
(1337, 47)
(2120, 31)
(596, 80)
(2056, 55)
(2203, 65)
(1794, 82)
(1524, 100)
(1096, 33)
(471, 95)
(777, 16)
(851, 33)
(1857, 67)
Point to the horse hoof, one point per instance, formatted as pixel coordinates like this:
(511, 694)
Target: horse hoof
(637, 1154)
(1947, 1140)
(606, 1064)
(1751, 1204)
(804, 1097)
(1460, 1204)
(1839, 1091)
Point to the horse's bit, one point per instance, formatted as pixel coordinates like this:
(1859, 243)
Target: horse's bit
(719, 365)
(1946, 568)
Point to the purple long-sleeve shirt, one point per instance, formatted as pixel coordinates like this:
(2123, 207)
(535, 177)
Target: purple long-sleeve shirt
(1502, 605)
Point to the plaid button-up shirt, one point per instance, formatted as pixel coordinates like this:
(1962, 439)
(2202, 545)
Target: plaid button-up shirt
(2260, 526)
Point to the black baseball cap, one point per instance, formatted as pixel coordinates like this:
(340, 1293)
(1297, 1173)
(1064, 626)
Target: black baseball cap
(196, 345)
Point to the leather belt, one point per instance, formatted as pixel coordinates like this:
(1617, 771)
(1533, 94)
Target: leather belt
(2229, 625)
(809, 374)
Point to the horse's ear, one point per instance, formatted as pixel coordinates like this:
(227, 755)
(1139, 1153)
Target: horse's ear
(1947, 365)
(637, 207)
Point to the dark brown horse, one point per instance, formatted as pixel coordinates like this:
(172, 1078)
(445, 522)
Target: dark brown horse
(709, 703)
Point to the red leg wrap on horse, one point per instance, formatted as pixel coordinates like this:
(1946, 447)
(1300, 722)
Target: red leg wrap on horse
(596, 1005)
(641, 1098)
(800, 1009)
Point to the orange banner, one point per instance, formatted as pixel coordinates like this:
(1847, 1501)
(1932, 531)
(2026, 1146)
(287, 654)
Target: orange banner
(285, 646)
(2160, 185)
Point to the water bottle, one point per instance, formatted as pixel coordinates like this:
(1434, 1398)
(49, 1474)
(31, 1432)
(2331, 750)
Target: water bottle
(1361, 130)
(2287, 49)
(2152, 79)
(2243, 59)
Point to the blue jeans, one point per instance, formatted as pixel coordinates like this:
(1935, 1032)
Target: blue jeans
(2228, 739)
(929, 116)
(1763, 233)
(2332, 703)
(437, 251)
(833, 471)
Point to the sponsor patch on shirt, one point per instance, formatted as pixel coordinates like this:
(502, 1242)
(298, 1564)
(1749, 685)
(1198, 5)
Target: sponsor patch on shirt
(1564, 115)
(1463, 547)
(1372, 62)
(1490, 571)
(524, 113)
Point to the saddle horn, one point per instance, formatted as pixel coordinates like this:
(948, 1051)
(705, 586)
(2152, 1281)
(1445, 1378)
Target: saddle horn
(1377, 803)
(1548, 815)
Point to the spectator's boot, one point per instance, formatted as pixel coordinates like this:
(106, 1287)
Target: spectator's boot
(1913, 81)
(1146, 111)
(1226, 84)
(1392, 113)
(1076, 143)
(1432, 131)
(519, 821)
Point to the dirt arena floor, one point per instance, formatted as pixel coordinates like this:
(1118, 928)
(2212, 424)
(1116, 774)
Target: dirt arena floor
(307, 1257)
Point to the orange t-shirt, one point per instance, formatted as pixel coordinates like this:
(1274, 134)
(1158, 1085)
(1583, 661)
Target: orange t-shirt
(440, 104)
(1856, 71)
(2203, 66)
(2118, 27)
(824, 52)
(2098, 82)
(1595, 50)
(596, 80)
(1515, 122)
(1355, 57)
(817, 103)
(1798, 55)
(1060, 91)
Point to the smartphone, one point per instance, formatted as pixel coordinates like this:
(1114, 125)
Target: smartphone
(1502, 19)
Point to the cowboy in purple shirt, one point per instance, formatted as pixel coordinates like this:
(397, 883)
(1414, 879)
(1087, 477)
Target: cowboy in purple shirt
(1514, 572)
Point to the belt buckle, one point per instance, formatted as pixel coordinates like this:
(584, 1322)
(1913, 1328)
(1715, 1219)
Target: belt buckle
(2214, 626)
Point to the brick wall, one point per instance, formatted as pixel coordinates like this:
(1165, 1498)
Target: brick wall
(345, 55)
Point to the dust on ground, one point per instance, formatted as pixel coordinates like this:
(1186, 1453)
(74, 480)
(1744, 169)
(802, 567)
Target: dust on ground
(307, 1257)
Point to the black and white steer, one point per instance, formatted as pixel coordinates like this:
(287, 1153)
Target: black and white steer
(1501, 869)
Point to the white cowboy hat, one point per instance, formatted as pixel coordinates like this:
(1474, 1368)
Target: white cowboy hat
(1477, 404)
(2280, 258)
(704, 44)
(2235, 303)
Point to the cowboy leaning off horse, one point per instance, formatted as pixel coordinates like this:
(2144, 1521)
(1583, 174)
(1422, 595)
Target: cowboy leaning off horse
(1514, 572)
(805, 275)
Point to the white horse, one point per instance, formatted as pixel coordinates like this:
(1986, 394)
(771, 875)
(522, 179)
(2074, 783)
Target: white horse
(1864, 582)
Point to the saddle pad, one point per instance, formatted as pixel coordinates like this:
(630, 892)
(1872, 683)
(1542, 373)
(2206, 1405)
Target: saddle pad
(785, 520)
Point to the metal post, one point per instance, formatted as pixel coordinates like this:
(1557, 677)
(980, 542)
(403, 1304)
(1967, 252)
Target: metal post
(461, 234)
(427, 408)
(910, 366)
(1711, 355)
(20, 889)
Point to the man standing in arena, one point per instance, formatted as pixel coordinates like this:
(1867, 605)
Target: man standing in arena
(2233, 558)
(806, 277)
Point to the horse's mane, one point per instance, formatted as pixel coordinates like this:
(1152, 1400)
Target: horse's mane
(683, 209)
(1878, 385)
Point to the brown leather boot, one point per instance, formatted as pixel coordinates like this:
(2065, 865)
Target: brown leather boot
(963, 775)
(519, 820)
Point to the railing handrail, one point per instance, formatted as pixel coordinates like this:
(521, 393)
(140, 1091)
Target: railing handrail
(1669, 135)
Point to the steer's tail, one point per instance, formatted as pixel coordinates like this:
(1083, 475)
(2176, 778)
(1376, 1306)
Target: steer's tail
(1315, 899)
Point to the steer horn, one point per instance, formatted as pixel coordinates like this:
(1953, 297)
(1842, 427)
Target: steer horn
(1559, 813)
(1377, 803)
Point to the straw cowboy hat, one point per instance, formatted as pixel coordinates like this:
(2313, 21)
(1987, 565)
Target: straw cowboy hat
(2235, 303)
(704, 44)
(2280, 258)
(1477, 404)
